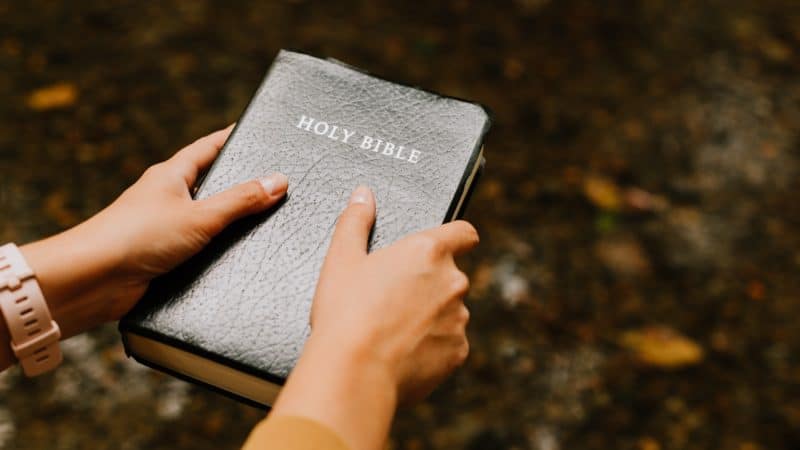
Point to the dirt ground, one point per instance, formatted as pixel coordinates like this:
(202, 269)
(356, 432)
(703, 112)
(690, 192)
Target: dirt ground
(636, 286)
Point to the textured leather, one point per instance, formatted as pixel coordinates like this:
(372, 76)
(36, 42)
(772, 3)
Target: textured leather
(246, 298)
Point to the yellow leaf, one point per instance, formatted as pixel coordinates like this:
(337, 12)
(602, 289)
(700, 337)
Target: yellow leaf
(602, 192)
(663, 347)
(648, 443)
(58, 95)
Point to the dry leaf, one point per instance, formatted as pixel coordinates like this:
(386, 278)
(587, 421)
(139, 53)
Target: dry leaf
(648, 443)
(58, 95)
(663, 347)
(775, 50)
(602, 192)
(640, 200)
(623, 256)
(756, 290)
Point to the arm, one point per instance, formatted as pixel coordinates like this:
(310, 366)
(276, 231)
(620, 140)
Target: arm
(95, 272)
(386, 329)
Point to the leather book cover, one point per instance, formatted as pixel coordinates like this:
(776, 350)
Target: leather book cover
(244, 301)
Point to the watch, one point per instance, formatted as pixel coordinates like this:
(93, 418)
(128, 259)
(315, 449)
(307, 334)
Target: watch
(34, 333)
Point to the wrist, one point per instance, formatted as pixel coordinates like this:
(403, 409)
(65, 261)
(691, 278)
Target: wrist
(356, 399)
(357, 359)
(78, 276)
(361, 348)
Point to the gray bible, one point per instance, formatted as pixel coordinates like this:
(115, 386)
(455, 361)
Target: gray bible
(235, 316)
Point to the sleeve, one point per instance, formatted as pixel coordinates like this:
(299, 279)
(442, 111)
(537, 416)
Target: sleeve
(292, 433)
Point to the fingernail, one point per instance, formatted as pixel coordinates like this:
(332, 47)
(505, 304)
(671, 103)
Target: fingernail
(361, 194)
(275, 184)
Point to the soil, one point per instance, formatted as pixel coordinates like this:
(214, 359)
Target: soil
(636, 284)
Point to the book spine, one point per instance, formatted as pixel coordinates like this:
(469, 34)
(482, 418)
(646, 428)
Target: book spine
(475, 180)
(453, 211)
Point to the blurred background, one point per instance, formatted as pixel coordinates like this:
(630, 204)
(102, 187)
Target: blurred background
(636, 286)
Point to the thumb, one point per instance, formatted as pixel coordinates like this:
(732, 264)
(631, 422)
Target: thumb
(244, 199)
(352, 229)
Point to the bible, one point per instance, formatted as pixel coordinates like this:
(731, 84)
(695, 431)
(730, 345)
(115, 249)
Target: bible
(235, 316)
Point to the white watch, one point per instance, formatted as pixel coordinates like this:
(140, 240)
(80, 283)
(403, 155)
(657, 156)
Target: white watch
(34, 333)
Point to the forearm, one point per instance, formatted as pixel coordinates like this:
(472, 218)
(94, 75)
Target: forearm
(78, 276)
(98, 270)
(349, 392)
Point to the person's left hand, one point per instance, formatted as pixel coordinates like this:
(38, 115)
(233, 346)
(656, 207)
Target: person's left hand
(100, 268)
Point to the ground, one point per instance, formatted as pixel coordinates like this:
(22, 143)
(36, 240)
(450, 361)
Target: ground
(636, 283)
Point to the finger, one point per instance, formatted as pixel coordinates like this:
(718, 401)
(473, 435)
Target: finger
(197, 156)
(351, 235)
(452, 320)
(457, 237)
(219, 210)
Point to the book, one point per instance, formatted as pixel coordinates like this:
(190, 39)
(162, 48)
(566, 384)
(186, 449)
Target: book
(235, 316)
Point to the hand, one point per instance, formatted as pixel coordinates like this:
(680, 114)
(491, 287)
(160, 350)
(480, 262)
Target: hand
(155, 225)
(96, 271)
(387, 327)
(402, 305)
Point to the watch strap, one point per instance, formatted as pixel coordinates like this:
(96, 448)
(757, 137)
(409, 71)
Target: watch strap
(34, 333)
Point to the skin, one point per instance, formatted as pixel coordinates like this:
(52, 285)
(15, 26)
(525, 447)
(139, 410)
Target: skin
(95, 272)
(387, 327)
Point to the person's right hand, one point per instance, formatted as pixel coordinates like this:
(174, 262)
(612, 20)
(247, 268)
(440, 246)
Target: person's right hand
(386, 327)
(401, 305)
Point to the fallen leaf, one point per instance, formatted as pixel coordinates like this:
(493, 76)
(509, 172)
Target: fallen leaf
(640, 200)
(648, 443)
(623, 256)
(602, 192)
(662, 347)
(749, 446)
(634, 130)
(745, 28)
(775, 49)
(756, 290)
(58, 95)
